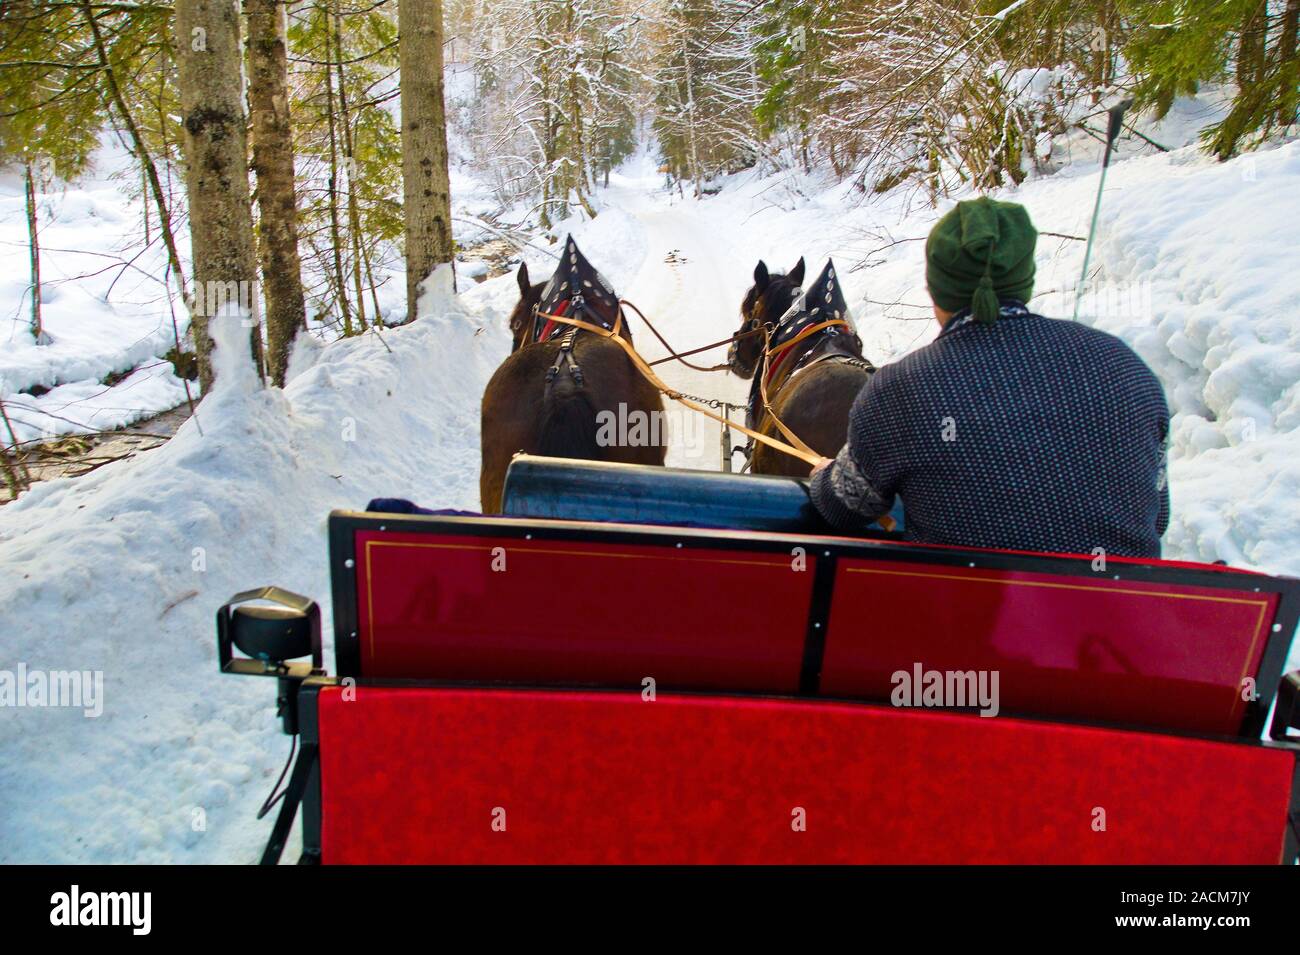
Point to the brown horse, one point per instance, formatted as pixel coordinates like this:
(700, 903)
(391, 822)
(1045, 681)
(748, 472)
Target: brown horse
(811, 384)
(565, 402)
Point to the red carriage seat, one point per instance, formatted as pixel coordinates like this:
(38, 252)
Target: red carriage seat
(551, 776)
(509, 605)
(1150, 649)
(756, 745)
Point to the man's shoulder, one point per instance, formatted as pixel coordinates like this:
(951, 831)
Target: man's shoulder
(952, 356)
(1094, 344)
(1065, 328)
(1072, 337)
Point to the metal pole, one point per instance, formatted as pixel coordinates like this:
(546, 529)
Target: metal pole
(1112, 131)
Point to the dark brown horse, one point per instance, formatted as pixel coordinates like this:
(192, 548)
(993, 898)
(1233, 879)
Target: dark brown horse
(811, 385)
(561, 399)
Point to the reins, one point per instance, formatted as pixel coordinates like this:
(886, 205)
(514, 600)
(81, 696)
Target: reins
(681, 356)
(796, 448)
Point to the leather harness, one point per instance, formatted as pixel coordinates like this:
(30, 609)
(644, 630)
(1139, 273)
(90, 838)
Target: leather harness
(831, 346)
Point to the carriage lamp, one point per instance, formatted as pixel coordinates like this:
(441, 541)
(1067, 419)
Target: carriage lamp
(271, 627)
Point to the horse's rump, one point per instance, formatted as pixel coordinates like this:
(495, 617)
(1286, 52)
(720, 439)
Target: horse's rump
(815, 405)
(523, 411)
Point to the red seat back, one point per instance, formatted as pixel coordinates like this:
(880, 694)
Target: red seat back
(553, 603)
(1150, 653)
(506, 609)
(588, 777)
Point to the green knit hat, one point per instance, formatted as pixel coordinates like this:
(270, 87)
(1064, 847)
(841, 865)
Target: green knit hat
(981, 251)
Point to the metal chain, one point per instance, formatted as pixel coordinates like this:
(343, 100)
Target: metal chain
(717, 404)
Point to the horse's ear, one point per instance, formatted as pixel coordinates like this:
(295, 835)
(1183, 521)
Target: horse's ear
(524, 285)
(761, 278)
(796, 274)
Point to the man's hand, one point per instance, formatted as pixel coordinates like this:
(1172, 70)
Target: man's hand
(821, 463)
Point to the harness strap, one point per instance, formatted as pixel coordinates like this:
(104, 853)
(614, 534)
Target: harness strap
(565, 359)
(780, 350)
(767, 406)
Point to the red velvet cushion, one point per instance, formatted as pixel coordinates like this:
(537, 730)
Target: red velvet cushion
(415, 774)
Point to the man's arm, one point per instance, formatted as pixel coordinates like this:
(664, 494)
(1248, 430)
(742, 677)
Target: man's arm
(852, 490)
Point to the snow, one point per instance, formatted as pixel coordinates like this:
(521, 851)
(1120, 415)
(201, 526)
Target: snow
(103, 304)
(121, 571)
(87, 405)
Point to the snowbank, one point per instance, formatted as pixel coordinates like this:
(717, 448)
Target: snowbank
(122, 571)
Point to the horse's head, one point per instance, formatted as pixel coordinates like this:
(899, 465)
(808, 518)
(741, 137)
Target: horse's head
(766, 301)
(529, 295)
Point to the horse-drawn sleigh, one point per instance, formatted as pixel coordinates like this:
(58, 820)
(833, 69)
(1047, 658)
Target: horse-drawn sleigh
(637, 664)
(521, 689)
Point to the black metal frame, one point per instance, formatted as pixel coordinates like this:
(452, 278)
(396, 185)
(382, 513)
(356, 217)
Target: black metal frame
(309, 728)
(344, 525)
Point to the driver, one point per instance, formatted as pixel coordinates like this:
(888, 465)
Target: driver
(1010, 430)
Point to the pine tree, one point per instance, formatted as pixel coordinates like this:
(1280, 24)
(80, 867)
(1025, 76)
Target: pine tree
(350, 201)
(1175, 47)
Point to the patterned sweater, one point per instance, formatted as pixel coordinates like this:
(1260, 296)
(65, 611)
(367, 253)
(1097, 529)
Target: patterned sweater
(1030, 434)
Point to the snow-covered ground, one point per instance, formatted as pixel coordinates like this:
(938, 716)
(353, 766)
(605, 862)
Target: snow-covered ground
(121, 571)
(104, 305)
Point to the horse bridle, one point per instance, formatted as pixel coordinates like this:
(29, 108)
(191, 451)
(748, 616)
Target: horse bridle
(572, 307)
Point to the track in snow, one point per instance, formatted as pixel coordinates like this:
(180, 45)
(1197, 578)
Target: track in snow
(690, 285)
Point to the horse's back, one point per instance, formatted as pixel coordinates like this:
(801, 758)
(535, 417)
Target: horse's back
(523, 411)
(815, 406)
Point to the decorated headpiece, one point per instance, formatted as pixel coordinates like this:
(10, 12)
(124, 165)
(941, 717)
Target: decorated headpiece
(821, 301)
(576, 290)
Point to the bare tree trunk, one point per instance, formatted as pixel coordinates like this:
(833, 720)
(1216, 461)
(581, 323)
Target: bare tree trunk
(425, 186)
(216, 166)
(580, 178)
(690, 118)
(17, 482)
(370, 280)
(336, 240)
(34, 247)
(268, 95)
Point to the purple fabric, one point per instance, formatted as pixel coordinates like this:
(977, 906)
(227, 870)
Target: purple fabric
(396, 505)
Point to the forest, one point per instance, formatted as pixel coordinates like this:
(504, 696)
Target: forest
(268, 152)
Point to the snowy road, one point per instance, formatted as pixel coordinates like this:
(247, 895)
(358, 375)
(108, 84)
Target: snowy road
(690, 285)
